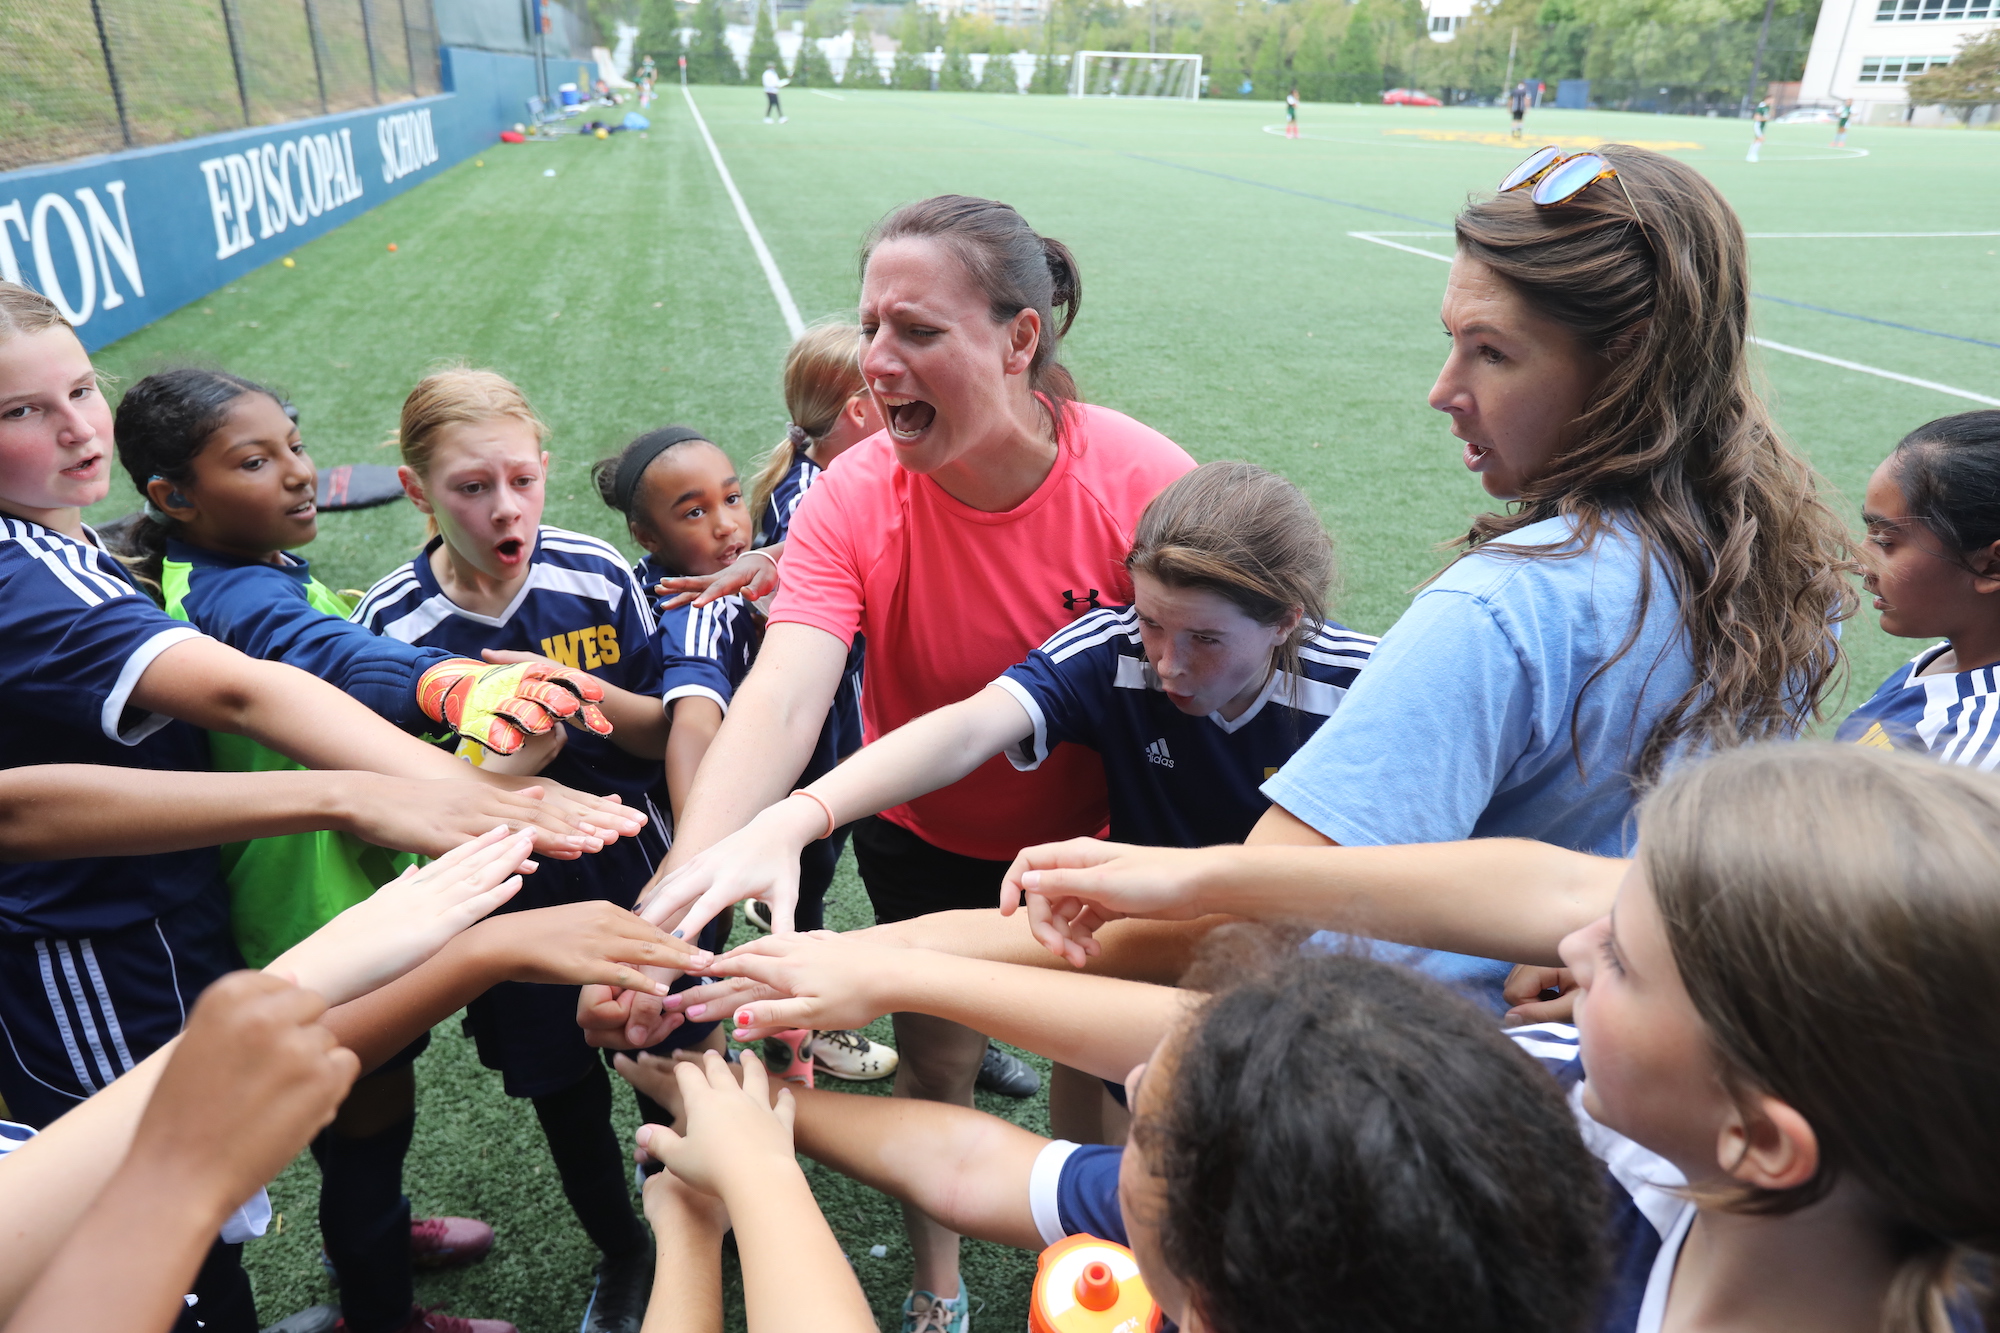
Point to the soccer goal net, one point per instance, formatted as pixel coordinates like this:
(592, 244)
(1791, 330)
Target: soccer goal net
(1134, 74)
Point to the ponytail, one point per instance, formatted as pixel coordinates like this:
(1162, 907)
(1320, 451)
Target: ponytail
(822, 372)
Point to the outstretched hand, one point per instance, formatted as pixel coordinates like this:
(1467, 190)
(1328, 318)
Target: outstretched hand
(759, 860)
(596, 945)
(731, 1134)
(1072, 888)
(408, 919)
(818, 980)
(568, 823)
(752, 574)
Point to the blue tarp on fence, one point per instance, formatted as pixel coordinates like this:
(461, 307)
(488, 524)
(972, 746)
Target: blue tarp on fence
(120, 240)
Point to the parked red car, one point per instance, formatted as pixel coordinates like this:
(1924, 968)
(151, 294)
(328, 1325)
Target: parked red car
(1408, 97)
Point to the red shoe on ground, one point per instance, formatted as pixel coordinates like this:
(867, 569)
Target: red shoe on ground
(448, 1242)
(422, 1320)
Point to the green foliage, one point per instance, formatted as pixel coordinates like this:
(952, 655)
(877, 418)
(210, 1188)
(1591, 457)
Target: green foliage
(998, 76)
(956, 74)
(763, 45)
(1970, 81)
(709, 60)
(1356, 75)
(910, 72)
(659, 37)
(1051, 74)
(811, 70)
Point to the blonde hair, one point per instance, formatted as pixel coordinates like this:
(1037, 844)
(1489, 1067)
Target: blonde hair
(1244, 533)
(1833, 915)
(24, 310)
(459, 395)
(822, 371)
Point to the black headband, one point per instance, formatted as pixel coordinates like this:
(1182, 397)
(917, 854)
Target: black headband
(640, 456)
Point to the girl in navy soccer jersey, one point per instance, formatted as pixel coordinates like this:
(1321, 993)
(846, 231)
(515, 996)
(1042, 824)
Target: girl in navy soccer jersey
(1786, 1009)
(230, 493)
(1933, 556)
(682, 502)
(100, 957)
(1224, 666)
(1321, 1142)
(492, 580)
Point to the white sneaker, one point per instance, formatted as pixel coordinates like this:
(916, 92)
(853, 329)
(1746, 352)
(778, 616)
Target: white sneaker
(851, 1056)
(757, 914)
(783, 119)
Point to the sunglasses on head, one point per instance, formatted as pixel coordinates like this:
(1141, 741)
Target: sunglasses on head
(1552, 177)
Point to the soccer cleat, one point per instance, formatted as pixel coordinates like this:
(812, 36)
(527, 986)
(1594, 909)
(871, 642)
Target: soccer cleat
(618, 1298)
(1008, 1075)
(757, 914)
(448, 1242)
(783, 119)
(925, 1313)
(851, 1056)
(788, 1056)
(434, 1320)
(312, 1319)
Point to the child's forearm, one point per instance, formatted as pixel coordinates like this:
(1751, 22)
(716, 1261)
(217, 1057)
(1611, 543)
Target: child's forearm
(687, 1280)
(794, 1275)
(49, 1183)
(1101, 1025)
(128, 1264)
(638, 722)
(52, 811)
(695, 723)
(965, 1169)
(377, 1025)
(923, 755)
(1155, 951)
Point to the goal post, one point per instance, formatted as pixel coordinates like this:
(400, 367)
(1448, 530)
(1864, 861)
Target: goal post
(1135, 74)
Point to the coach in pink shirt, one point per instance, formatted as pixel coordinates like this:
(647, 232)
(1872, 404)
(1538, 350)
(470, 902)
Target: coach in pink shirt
(993, 510)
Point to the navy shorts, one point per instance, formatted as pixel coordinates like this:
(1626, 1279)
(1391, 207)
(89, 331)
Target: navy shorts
(907, 877)
(77, 1013)
(528, 1033)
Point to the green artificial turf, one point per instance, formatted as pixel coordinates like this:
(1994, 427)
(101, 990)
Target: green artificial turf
(1225, 303)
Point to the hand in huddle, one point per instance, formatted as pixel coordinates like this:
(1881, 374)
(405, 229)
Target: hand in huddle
(752, 574)
(731, 1135)
(1071, 888)
(1539, 995)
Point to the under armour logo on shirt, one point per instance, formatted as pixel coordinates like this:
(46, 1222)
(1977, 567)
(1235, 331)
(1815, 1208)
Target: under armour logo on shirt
(1089, 599)
(1156, 753)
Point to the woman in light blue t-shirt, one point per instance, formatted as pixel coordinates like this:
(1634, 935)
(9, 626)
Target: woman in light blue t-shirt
(1664, 578)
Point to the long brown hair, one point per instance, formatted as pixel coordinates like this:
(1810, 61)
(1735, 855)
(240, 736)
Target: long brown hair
(1676, 444)
(822, 371)
(1015, 268)
(1832, 912)
(1245, 534)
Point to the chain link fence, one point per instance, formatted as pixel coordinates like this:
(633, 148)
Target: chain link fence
(95, 76)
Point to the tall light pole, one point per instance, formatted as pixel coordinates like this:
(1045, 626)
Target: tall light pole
(1757, 65)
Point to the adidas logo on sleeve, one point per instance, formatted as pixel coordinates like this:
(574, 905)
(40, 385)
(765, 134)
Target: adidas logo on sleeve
(1156, 753)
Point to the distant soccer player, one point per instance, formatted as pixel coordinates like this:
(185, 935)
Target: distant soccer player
(1517, 105)
(771, 85)
(1840, 125)
(1292, 113)
(1761, 117)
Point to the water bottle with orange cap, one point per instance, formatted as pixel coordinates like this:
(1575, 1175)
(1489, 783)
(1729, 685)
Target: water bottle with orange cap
(1087, 1285)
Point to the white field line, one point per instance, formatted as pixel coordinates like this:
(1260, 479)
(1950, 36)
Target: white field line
(1375, 238)
(1765, 343)
(786, 306)
(817, 93)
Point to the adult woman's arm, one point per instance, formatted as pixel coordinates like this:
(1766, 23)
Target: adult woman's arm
(52, 811)
(305, 719)
(1509, 898)
(761, 859)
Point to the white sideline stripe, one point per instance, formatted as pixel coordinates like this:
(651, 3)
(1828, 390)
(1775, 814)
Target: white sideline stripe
(1375, 238)
(1765, 343)
(1875, 370)
(786, 306)
(817, 93)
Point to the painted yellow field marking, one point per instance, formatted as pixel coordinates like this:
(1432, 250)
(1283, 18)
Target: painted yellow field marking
(1501, 140)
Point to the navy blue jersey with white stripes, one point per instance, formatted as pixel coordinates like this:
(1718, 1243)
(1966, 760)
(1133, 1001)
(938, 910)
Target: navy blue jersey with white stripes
(776, 519)
(261, 609)
(1952, 715)
(706, 651)
(1174, 780)
(76, 634)
(579, 606)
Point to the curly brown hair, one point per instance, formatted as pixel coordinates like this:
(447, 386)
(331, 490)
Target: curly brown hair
(1676, 446)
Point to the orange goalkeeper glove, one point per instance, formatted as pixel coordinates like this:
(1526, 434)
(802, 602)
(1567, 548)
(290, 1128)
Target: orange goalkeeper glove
(501, 706)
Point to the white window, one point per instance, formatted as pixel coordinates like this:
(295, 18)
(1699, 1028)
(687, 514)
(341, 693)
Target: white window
(1899, 69)
(1911, 11)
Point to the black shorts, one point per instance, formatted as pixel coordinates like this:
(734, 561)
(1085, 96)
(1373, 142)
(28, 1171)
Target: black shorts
(1518, 114)
(908, 877)
(77, 1013)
